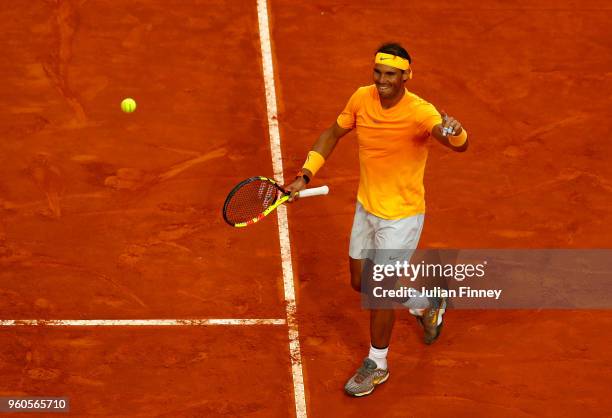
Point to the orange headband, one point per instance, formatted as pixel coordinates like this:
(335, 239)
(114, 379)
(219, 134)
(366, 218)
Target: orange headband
(392, 61)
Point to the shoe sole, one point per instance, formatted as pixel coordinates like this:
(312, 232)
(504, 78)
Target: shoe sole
(357, 395)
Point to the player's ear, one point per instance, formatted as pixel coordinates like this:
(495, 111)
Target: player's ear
(407, 74)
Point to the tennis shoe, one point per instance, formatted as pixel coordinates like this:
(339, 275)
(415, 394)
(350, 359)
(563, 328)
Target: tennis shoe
(431, 321)
(368, 376)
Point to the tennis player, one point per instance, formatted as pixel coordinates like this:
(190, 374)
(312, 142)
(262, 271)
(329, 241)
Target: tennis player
(393, 127)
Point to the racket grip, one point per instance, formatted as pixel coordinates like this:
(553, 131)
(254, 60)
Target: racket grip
(315, 191)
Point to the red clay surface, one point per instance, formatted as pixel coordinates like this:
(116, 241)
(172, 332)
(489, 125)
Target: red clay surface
(108, 215)
(147, 372)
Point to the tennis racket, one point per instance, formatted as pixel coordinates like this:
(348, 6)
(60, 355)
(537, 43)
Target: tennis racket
(255, 198)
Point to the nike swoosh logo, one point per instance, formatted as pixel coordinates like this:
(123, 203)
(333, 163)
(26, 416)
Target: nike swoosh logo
(382, 59)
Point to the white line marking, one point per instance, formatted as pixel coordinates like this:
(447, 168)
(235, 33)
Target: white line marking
(283, 225)
(136, 322)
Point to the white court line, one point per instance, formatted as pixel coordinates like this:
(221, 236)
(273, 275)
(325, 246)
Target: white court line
(281, 211)
(137, 322)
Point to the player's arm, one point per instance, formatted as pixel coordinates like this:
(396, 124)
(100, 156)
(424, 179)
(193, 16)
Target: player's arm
(451, 134)
(326, 143)
(321, 150)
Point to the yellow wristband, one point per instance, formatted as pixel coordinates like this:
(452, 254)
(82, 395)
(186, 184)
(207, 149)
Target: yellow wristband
(314, 162)
(459, 140)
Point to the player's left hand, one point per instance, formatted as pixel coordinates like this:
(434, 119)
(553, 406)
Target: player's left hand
(450, 125)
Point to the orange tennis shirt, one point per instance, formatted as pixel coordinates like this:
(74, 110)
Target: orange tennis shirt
(392, 151)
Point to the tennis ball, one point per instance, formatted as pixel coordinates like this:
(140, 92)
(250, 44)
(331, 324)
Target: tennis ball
(128, 105)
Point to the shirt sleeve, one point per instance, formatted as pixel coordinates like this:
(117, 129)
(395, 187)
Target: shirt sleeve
(429, 117)
(347, 118)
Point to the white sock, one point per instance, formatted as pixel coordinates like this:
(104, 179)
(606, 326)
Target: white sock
(379, 356)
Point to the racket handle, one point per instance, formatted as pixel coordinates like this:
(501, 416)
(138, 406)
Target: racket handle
(316, 191)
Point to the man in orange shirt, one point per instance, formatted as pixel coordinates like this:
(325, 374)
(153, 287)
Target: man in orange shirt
(393, 126)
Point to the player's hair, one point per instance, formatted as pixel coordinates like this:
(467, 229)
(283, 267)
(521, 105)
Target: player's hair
(394, 48)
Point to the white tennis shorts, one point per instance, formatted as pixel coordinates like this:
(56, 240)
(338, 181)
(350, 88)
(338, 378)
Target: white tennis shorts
(386, 241)
(397, 238)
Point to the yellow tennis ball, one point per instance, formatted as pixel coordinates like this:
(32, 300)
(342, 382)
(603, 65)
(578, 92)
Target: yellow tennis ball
(128, 105)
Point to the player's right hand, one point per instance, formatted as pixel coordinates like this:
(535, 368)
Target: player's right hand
(450, 125)
(298, 185)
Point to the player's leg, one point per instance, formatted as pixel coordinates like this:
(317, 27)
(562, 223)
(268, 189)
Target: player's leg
(404, 234)
(369, 374)
(381, 326)
(362, 239)
(390, 239)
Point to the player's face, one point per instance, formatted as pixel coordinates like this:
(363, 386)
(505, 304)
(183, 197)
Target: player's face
(389, 80)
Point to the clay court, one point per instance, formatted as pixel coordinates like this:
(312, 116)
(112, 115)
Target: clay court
(112, 216)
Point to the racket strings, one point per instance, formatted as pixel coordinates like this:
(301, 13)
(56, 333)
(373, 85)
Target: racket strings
(250, 200)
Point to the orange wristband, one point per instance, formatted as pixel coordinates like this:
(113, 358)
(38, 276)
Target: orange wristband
(314, 162)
